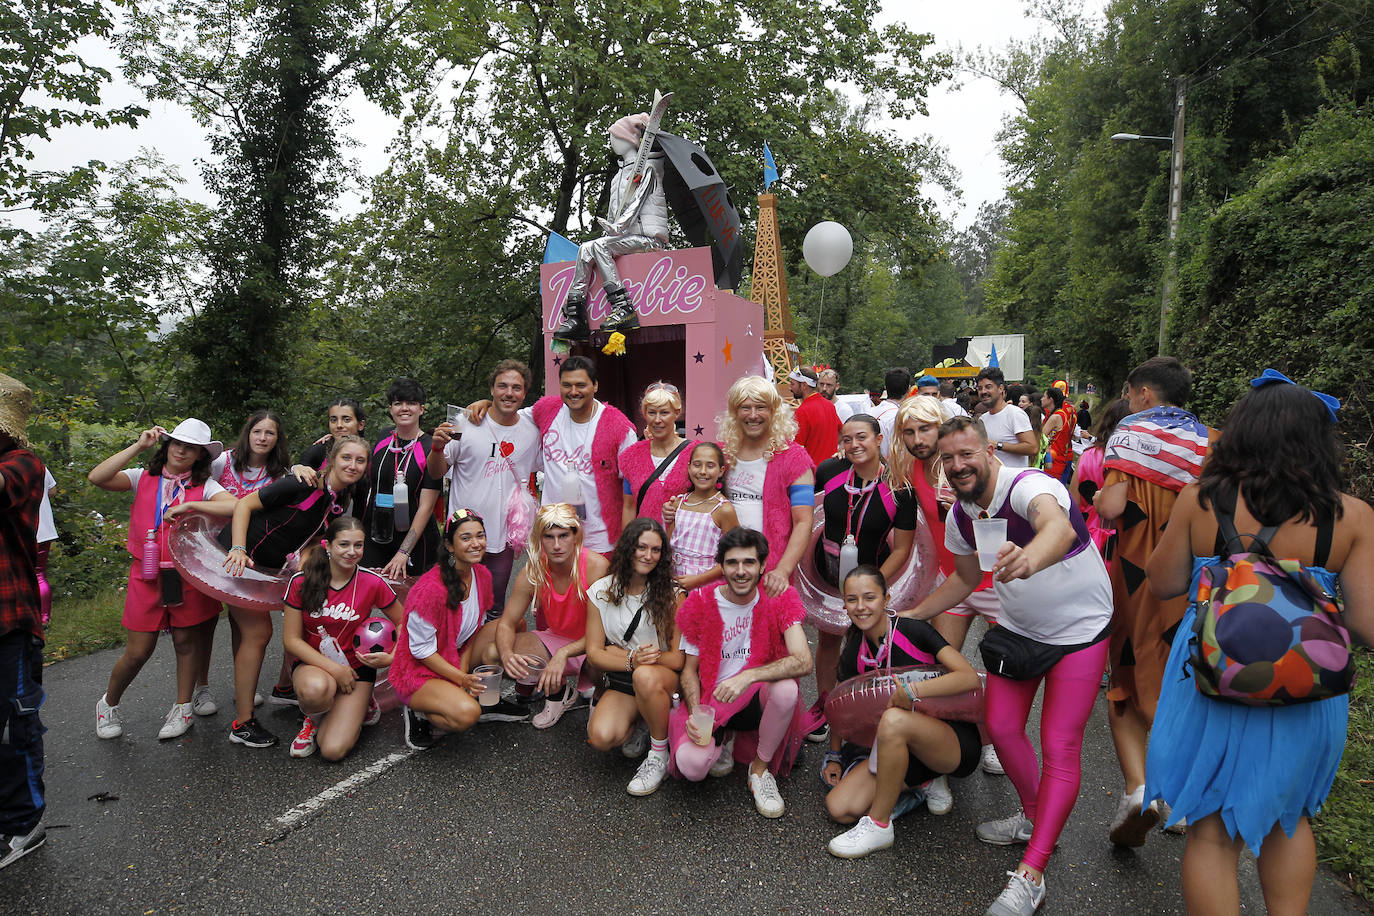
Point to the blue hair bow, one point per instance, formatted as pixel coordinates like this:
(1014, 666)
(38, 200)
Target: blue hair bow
(1270, 376)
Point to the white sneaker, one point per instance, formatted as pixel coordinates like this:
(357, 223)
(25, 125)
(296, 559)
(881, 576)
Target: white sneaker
(725, 763)
(108, 723)
(991, 763)
(861, 839)
(637, 744)
(938, 797)
(257, 700)
(1021, 897)
(178, 722)
(767, 798)
(649, 776)
(554, 707)
(1131, 825)
(1165, 812)
(1008, 831)
(203, 702)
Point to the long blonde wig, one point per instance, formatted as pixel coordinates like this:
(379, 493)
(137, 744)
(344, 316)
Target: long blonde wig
(554, 515)
(755, 388)
(902, 465)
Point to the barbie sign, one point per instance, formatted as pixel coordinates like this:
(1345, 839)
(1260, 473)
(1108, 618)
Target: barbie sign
(659, 283)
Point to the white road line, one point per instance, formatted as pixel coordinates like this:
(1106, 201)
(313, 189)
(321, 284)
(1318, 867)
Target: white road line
(306, 809)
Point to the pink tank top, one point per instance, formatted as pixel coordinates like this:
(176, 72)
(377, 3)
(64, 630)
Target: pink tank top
(565, 612)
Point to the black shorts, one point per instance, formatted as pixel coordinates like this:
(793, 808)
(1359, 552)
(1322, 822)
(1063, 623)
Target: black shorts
(970, 753)
(620, 682)
(364, 673)
(746, 720)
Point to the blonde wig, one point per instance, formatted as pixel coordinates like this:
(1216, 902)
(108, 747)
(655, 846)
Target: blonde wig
(554, 515)
(660, 394)
(784, 425)
(919, 408)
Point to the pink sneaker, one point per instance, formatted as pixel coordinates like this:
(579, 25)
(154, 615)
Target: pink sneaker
(303, 745)
(374, 713)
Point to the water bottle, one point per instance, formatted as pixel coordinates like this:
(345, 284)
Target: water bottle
(329, 647)
(151, 555)
(849, 557)
(400, 498)
(572, 492)
(383, 518)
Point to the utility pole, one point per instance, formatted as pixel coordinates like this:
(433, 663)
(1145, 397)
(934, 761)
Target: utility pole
(1175, 211)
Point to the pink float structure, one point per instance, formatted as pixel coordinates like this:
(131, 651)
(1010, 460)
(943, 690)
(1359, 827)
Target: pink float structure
(691, 334)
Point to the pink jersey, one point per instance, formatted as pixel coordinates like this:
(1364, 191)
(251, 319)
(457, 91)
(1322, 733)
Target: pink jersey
(344, 609)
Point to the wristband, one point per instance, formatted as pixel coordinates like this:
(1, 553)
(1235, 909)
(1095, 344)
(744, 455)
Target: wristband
(402, 550)
(833, 757)
(238, 547)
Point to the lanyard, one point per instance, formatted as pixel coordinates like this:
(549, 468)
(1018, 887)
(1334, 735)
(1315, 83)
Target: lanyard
(852, 495)
(401, 466)
(884, 653)
(178, 488)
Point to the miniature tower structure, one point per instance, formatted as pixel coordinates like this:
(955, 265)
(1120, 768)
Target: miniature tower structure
(768, 287)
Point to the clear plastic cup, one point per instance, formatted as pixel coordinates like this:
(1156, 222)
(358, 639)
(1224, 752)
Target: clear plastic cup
(989, 534)
(704, 719)
(491, 683)
(525, 686)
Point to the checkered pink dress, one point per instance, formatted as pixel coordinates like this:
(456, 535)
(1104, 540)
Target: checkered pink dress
(695, 536)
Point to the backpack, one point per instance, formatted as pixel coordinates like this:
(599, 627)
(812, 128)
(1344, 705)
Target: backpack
(1266, 633)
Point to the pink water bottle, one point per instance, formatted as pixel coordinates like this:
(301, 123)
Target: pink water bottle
(148, 573)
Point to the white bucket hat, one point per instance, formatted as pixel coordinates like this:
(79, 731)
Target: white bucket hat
(195, 432)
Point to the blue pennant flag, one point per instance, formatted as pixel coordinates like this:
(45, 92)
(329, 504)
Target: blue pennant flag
(770, 168)
(559, 249)
(992, 360)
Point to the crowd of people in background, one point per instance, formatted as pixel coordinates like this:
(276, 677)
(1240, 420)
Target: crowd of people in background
(650, 577)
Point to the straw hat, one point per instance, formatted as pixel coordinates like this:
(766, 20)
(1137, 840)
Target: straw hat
(15, 401)
(196, 432)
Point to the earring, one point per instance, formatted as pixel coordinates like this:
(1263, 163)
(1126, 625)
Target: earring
(329, 555)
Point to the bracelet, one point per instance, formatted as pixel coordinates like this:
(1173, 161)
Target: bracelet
(833, 757)
(402, 550)
(629, 660)
(911, 693)
(238, 547)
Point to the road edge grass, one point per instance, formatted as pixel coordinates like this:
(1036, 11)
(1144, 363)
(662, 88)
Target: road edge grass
(1344, 829)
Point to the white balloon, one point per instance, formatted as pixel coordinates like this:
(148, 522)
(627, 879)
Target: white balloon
(827, 248)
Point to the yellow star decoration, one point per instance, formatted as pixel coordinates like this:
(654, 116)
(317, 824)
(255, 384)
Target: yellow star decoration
(615, 346)
(726, 350)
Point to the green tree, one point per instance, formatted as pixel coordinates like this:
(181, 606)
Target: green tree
(45, 84)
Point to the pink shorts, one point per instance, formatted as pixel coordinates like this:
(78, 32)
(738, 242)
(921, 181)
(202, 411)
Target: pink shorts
(144, 611)
(555, 641)
(984, 601)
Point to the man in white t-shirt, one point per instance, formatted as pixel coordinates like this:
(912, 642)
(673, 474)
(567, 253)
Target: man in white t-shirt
(1056, 610)
(1008, 427)
(741, 685)
(829, 384)
(951, 405)
(896, 382)
(485, 462)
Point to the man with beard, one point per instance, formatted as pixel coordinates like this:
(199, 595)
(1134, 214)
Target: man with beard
(1008, 427)
(829, 381)
(1056, 608)
(745, 652)
(485, 461)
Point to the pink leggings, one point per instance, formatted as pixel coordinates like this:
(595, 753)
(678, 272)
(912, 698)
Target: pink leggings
(44, 589)
(779, 699)
(1070, 691)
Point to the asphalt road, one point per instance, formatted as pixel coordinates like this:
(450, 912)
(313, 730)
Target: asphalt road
(508, 819)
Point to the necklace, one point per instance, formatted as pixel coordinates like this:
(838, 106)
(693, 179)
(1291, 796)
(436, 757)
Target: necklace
(699, 502)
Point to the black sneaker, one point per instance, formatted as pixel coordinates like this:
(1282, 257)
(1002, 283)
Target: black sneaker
(252, 734)
(419, 736)
(505, 711)
(14, 848)
(822, 733)
(285, 696)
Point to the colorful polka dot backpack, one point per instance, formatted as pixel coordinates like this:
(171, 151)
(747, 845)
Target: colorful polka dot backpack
(1266, 633)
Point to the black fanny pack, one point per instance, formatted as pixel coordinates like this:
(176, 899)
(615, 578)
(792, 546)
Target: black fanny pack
(1020, 658)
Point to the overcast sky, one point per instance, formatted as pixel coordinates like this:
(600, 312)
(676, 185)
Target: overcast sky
(964, 118)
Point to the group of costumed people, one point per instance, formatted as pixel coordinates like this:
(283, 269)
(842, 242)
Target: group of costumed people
(662, 573)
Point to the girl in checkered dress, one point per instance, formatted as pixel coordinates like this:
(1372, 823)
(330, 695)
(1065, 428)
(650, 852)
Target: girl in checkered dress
(696, 520)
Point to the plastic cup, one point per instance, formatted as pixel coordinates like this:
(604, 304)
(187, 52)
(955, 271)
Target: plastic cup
(704, 718)
(453, 413)
(491, 683)
(989, 534)
(525, 686)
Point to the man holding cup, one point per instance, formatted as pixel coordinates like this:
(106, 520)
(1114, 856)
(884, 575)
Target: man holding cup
(1056, 610)
(744, 652)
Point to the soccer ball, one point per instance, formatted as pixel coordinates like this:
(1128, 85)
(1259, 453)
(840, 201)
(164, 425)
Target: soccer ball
(377, 634)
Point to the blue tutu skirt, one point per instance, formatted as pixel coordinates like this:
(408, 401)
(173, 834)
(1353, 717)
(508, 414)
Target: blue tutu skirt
(1257, 766)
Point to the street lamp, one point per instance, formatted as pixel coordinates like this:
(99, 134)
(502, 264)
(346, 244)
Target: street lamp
(1175, 202)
